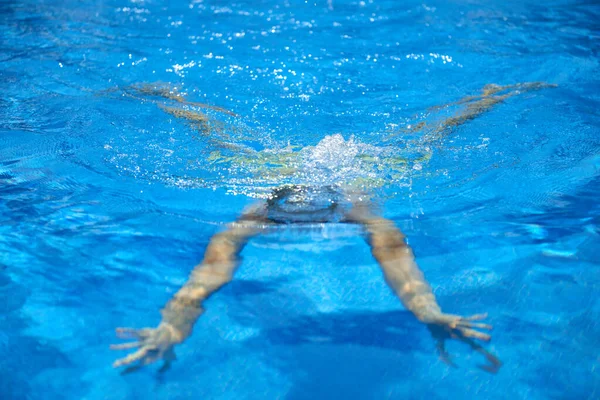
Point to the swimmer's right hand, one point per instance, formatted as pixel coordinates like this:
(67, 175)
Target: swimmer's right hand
(153, 344)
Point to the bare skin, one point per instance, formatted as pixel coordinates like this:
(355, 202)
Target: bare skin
(181, 312)
(228, 142)
(404, 277)
(474, 106)
(387, 244)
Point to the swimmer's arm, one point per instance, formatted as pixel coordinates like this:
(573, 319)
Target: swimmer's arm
(397, 262)
(406, 279)
(216, 269)
(181, 312)
(474, 106)
(403, 275)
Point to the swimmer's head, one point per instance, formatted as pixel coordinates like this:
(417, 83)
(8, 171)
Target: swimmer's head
(300, 203)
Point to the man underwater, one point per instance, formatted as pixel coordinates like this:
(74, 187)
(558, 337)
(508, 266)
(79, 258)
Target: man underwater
(302, 204)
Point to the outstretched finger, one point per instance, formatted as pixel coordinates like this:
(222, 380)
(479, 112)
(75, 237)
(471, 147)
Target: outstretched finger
(131, 369)
(131, 358)
(131, 333)
(470, 333)
(467, 324)
(493, 362)
(476, 317)
(124, 346)
(126, 333)
(444, 355)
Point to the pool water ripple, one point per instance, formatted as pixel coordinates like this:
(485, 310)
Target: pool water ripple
(109, 192)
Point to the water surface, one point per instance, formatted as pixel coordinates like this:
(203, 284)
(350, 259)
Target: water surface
(107, 201)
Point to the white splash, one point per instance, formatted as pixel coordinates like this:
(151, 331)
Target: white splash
(334, 160)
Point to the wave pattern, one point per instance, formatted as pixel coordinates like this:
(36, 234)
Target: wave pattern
(132, 130)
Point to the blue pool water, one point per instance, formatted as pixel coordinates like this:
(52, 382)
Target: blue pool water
(107, 201)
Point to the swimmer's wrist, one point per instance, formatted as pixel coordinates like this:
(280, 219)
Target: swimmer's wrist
(181, 316)
(427, 313)
(176, 334)
(427, 317)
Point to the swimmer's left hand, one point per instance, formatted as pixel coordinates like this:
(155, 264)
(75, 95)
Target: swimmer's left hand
(455, 325)
(153, 344)
(448, 326)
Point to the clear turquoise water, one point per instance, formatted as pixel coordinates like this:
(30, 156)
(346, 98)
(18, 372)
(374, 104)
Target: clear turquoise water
(95, 231)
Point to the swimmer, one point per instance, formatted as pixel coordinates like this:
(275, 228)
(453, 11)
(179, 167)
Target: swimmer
(300, 204)
(293, 204)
